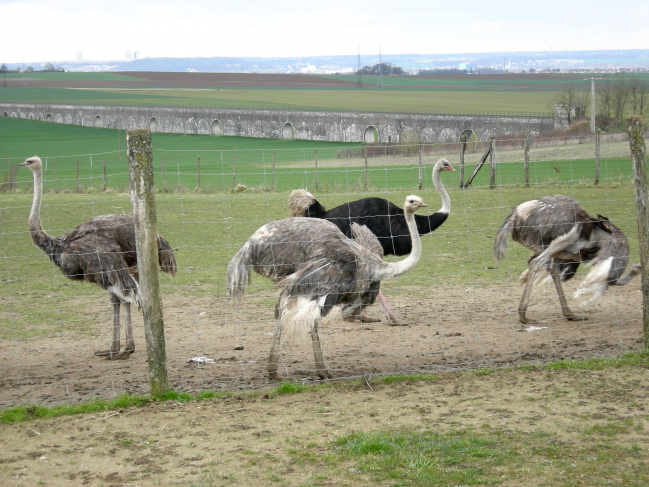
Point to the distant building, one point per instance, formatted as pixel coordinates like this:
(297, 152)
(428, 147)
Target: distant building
(467, 66)
(79, 57)
(136, 55)
(128, 55)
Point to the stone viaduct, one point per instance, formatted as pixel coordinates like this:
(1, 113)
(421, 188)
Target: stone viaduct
(337, 126)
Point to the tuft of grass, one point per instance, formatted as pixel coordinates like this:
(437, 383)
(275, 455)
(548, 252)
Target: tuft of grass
(408, 378)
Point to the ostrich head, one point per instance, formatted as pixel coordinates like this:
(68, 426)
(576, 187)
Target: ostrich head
(444, 165)
(413, 203)
(33, 163)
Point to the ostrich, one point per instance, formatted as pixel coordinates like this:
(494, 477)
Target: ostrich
(101, 251)
(386, 220)
(562, 235)
(316, 267)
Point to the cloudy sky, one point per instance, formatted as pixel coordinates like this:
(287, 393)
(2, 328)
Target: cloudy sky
(54, 30)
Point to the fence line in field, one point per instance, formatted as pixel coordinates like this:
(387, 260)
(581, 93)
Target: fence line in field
(458, 305)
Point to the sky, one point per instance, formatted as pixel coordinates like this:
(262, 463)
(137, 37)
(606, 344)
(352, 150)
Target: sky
(54, 30)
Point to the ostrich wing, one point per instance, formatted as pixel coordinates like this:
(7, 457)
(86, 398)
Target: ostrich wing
(364, 237)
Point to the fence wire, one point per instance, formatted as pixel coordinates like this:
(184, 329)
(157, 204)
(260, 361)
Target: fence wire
(458, 306)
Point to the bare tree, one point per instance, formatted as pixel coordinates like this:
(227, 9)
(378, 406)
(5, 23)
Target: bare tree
(569, 104)
(619, 97)
(604, 92)
(639, 96)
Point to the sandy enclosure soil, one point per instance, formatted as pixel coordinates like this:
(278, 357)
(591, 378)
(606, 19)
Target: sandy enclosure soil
(448, 328)
(253, 440)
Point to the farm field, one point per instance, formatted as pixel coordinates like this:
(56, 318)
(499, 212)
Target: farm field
(341, 166)
(528, 93)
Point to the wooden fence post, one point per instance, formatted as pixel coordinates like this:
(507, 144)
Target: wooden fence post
(234, 179)
(198, 173)
(316, 169)
(462, 151)
(103, 163)
(273, 178)
(597, 156)
(526, 164)
(492, 163)
(77, 189)
(140, 170)
(119, 138)
(162, 170)
(421, 170)
(365, 154)
(54, 175)
(639, 157)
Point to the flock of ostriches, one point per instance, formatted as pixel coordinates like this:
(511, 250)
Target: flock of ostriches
(320, 260)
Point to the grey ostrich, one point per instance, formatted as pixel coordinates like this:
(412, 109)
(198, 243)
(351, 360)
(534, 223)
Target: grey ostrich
(316, 267)
(562, 236)
(385, 219)
(101, 251)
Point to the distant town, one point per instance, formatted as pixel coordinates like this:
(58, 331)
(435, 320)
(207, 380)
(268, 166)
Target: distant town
(613, 61)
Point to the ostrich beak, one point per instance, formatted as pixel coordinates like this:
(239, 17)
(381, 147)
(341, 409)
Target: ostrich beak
(24, 163)
(450, 168)
(421, 205)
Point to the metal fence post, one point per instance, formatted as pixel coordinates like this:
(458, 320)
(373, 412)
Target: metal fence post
(316, 169)
(273, 178)
(365, 154)
(597, 156)
(103, 163)
(162, 170)
(462, 151)
(639, 157)
(234, 179)
(526, 166)
(492, 163)
(198, 173)
(77, 189)
(421, 170)
(140, 169)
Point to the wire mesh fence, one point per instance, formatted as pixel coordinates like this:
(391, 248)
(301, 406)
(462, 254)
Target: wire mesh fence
(458, 307)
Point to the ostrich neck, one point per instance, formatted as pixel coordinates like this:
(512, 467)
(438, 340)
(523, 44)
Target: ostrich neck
(437, 182)
(38, 235)
(396, 269)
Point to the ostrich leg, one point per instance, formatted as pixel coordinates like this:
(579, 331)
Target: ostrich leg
(273, 357)
(387, 311)
(320, 367)
(130, 342)
(567, 314)
(558, 245)
(114, 346)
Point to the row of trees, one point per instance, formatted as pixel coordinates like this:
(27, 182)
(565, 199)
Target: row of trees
(48, 68)
(615, 98)
(383, 68)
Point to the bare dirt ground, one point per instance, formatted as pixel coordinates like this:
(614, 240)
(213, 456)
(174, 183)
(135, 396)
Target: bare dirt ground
(450, 328)
(260, 440)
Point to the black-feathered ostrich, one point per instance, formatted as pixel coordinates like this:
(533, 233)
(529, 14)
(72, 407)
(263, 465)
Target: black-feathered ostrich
(385, 219)
(101, 251)
(316, 267)
(562, 236)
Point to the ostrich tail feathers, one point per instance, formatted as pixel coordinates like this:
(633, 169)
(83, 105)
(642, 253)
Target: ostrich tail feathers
(239, 273)
(299, 202)
(595, 283)
(299, 315)
(500, 242)
(166, 257)
(542, 278)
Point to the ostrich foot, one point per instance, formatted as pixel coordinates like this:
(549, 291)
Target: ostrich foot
(369, 319)
(576, 318)
(523, 319)
(123, 355)
(106, 353)
(274, 376)
(324, 374)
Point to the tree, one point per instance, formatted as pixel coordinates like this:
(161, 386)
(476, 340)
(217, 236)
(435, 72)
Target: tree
(3, 68)
(48, 67)
(383, 68)
(29, 69)
(569, 105)
(619, 98)
(638, 91)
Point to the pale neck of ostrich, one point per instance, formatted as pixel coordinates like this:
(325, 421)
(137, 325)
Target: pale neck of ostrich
(35, 227)
(437, 182)
(397, 268)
